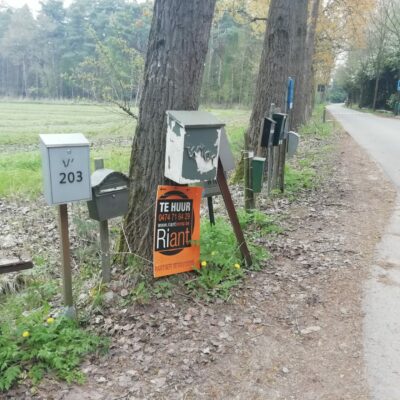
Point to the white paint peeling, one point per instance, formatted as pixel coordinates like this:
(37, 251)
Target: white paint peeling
(204, 166)
(173, 165)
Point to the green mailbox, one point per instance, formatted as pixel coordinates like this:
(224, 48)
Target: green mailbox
(257, 173)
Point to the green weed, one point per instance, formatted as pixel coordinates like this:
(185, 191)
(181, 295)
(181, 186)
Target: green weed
(163, 289)
(222, 266)
(36, 344)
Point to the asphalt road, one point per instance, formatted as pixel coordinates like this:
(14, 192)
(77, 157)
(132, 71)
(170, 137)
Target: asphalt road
(380, 137)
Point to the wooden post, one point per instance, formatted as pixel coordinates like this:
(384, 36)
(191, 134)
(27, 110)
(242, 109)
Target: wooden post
(282, 162)
(275, 166)
(105, 251)
(230, 207)
(66, 256)
(211, 210)
(249, 203)
(324, 116)
(104, 238)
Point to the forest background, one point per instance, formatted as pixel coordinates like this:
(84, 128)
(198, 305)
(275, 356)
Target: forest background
(95, 50)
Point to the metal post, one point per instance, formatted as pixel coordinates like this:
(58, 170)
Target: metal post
(66, 258)
(230, 207)
(324, 116)
(211, 210)
(104, 238)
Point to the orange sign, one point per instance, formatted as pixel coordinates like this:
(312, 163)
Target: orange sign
(177, 230)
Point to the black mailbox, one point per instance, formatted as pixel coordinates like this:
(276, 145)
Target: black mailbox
(267, 132)
(279, 131)
(109, 194)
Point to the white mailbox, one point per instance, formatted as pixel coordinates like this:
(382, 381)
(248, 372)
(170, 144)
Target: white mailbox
(192, 146)
(65, 167)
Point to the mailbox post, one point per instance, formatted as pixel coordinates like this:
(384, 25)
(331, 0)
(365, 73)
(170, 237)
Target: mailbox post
(277, 142)
(66, 179)
(268, 128)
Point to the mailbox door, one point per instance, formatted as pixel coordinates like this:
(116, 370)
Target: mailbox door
(279, 128)
(69, 174)
(112, 204)
(268, 126)
(293, 143)
(200, 157)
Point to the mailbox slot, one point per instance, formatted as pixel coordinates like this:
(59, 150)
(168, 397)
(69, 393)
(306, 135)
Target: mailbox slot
(110, 195)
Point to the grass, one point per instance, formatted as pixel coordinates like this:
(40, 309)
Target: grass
(106, 128)
(302, 173)
(379, 112)
(22, 122)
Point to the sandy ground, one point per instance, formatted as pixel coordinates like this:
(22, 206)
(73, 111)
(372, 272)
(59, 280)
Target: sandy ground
(292, 331)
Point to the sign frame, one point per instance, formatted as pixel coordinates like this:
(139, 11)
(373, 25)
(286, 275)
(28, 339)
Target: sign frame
(176, 246)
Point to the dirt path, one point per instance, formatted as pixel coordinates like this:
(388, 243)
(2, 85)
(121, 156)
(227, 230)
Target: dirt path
(292, 331)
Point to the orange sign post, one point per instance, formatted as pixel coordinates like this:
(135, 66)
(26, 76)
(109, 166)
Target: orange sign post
(177, 230)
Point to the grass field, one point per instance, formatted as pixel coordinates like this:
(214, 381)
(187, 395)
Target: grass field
(109, 131)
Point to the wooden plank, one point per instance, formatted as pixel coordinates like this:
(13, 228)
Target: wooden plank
(15, 266)
(230, 207)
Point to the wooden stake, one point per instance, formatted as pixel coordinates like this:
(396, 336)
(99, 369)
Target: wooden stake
(105, 251)
(104, 238)
(275, 166)
(66, 255)
(282, 162)
(230, 207)
(211, 210)
(249, 203)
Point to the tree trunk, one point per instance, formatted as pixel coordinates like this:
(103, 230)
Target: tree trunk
(174, 68)
(309, 78)
(376, 89)
(298, 62)
(274, 67)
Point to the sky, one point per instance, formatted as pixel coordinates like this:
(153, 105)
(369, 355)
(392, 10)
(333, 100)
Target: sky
(34, 5)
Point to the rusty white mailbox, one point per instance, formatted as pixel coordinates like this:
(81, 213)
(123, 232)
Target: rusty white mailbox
(192, 146)
(65, 168)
